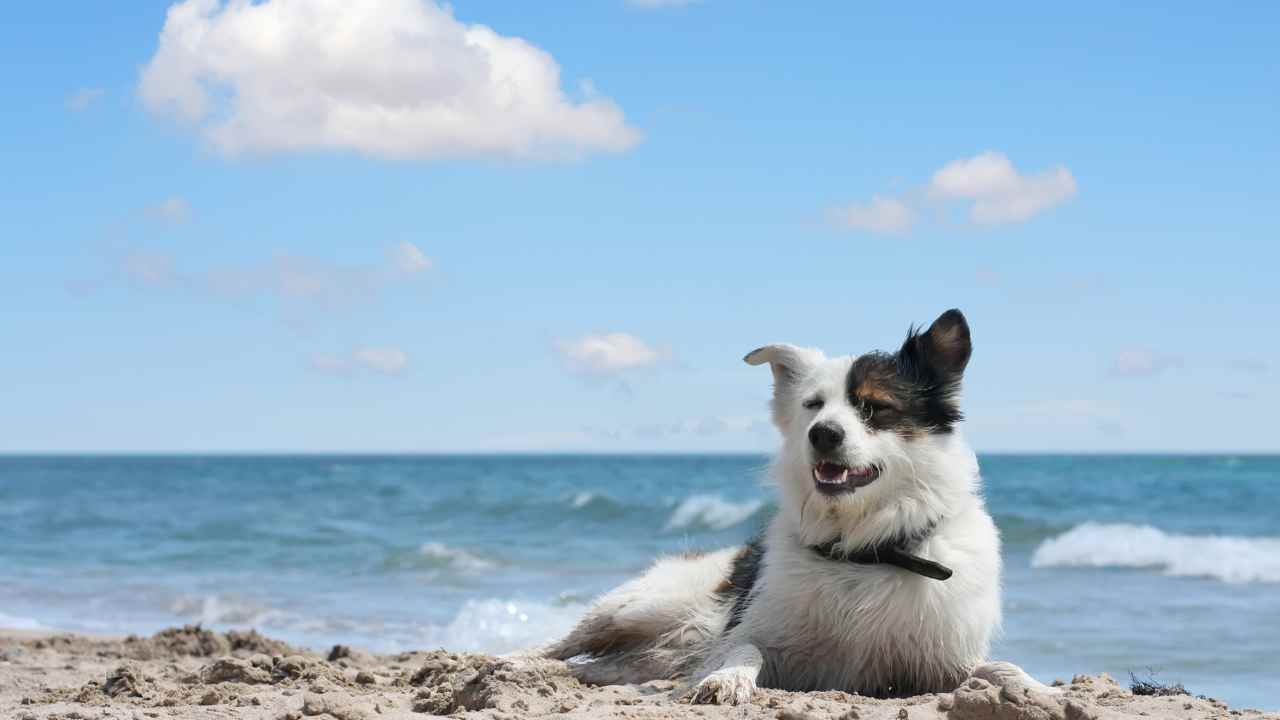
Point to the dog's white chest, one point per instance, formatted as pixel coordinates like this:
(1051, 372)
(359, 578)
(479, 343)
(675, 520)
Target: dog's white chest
(824, 624)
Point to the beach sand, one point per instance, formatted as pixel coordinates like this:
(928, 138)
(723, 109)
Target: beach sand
(194, 673)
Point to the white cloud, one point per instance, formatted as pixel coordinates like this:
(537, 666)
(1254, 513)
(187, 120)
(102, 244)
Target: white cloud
(380, 360)
(388, 78)
(83, 99)
(172, 210)
(408, 259)
(385, 360)
(1140, 362)
(999, 193)
(996, 194)
(608, 354)
(884, 215)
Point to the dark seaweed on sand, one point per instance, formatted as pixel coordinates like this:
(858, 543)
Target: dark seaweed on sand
(1149, 686)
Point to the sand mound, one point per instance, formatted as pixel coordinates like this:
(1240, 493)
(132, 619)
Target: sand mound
(195, 641)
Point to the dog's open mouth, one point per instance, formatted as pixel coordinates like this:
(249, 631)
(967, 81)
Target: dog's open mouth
(833, 478)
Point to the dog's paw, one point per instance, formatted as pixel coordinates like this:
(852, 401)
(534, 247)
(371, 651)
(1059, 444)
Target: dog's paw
(731, 686)
(1012, 678)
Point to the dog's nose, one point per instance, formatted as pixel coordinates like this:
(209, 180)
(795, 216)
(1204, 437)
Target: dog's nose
(825, 436)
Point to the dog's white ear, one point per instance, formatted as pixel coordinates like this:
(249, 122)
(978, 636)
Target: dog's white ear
(788, 362)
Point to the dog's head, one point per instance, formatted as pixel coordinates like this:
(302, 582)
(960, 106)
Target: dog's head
(870, 434)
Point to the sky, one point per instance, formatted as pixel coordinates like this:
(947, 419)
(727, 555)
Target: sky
(400, 226)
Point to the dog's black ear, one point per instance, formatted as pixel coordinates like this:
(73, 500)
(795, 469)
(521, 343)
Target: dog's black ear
(939, 354)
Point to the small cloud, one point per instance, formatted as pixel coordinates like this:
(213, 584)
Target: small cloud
(384, 360)
(1140, 362)
(83, 99)
(884, 215)
(608, 354)
(996, 193)
(380, 360)
(173, 210)
(999, 193)
(408, 259)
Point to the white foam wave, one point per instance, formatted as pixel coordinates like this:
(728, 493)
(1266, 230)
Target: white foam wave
(452, 557)
(500, 626)
(13, 622)
(1226, 558)
(225, 609)
(582, 499)
(711, 511)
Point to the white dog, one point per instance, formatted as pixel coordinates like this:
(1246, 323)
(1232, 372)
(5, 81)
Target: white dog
(880, 573)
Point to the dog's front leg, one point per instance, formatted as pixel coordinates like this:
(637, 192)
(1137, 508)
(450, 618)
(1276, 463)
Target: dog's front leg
(735, 681)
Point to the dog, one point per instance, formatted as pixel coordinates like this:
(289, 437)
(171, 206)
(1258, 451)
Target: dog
(880, 572)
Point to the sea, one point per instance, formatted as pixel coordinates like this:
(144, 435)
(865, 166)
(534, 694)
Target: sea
(1163, 567)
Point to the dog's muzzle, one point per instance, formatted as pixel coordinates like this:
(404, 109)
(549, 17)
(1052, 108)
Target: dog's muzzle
(833, 478)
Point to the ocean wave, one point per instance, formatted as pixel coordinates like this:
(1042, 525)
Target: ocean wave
(225, 609)
(1226, 558)
(499, 626)
(599, 506)
(436, 556)
(14, 622)
(489, 625)
(441, 555)
(711, 512)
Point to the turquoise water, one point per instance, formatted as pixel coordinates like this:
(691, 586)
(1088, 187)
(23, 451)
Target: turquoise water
(1115, 563)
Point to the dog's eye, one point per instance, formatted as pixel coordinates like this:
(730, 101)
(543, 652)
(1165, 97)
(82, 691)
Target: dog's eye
(813, 404)
(871, 408)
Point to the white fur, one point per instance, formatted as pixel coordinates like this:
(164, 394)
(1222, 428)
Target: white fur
(813, 623)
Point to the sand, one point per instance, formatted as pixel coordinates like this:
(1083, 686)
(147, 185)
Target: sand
(194, 673)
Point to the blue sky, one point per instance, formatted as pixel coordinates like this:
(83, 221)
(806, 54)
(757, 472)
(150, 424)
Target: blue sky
(326, 226)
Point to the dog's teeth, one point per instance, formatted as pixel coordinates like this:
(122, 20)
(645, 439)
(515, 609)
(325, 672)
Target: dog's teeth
(844, 475)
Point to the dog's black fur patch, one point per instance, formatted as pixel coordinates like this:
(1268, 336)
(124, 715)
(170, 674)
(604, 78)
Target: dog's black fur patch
(914, 391)
(742, 578)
